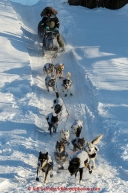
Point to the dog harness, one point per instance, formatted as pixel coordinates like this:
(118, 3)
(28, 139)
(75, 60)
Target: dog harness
(75, 143)
(65, 141)
(60, 156)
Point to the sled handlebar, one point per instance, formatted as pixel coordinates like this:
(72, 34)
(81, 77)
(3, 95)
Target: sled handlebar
(54, 32)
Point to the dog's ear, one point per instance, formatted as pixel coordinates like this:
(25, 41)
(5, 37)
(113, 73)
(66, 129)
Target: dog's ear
(57, 142)
(46, 153)
(63, 130)
(68, 131)
(40, 152)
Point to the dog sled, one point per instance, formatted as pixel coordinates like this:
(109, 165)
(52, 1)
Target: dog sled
(50, 44)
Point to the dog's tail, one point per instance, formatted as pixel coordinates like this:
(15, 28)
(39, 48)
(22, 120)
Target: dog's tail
(96, 140)
(68, 75)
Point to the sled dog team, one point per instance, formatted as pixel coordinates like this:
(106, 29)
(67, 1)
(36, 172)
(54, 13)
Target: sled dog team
(52, 71)
(84, 152)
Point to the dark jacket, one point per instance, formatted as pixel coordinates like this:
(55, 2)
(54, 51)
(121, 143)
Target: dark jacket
(49, 19)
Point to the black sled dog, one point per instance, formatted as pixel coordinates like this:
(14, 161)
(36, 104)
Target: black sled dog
(78, 162)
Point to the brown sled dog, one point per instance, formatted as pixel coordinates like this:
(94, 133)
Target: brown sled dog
(59, 68)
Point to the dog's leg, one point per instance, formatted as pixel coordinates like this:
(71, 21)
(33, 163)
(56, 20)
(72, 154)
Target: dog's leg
(62, 167)
(75, 174)
(55, 127)
(89, 168)
(46, 174)
(93, 163)
(63, 90)
(58, 171)
(47, 87)
(70, 91)
(51, 172)
(38, 171)
(50, 129)
(56, 72)
(66, 93)
(81, 174)
(60, 75)
(78, 132)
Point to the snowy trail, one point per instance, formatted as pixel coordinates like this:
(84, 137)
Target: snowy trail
(76, 105)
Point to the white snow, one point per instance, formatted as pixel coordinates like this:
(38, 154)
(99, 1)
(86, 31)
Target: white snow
(96, 43)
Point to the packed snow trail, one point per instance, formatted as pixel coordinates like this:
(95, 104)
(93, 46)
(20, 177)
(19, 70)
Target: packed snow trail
(76, 104)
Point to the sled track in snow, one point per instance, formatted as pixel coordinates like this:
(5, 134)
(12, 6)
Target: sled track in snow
(74, 104)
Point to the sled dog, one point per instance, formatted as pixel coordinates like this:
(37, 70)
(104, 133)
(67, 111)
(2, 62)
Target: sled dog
(60, 155)
(92, 150)
(48, 69)
(78, 162)
(77, 128)
(45, 164)
(59, 68)
(78, 143)
(64, 137)
(66, 85)
(50, 82)
(52, 120)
